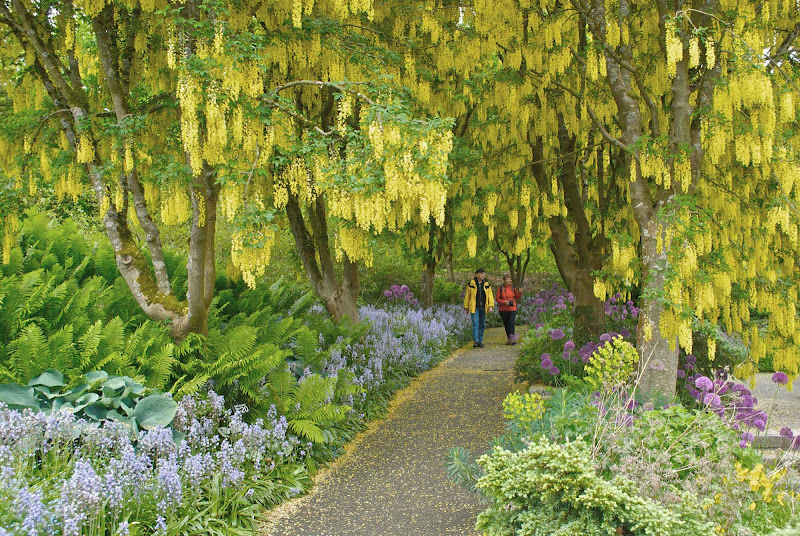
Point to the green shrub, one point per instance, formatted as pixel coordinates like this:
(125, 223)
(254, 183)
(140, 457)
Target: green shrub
(446, 292)
(551, 488)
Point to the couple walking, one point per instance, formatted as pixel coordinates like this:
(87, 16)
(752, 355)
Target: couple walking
(478, 300)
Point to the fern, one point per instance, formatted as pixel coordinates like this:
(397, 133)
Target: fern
(88, 345)
(26, 352)
(306, 348)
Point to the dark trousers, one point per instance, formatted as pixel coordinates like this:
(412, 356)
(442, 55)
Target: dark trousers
(508, 321)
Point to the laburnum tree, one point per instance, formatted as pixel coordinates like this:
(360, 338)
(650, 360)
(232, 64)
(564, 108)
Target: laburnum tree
(698, 99)
(179, 114)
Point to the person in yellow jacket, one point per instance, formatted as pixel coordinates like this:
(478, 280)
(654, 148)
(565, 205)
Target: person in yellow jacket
(478, 299)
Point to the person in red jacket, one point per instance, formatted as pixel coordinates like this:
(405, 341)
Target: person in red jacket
(507, 298)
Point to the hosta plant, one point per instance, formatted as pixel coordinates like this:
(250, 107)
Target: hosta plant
(99, 397)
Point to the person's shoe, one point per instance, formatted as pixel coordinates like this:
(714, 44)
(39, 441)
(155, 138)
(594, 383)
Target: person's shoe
(509, 342)
(480, 344)
(476, 345)
(513, 343)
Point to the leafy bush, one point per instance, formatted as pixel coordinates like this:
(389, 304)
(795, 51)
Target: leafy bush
(446, 292)
(551, 488)
(550, 353)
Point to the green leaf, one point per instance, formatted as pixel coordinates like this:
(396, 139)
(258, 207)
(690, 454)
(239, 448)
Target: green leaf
(155, 410)
(48, 378)
(95, 377)
(18, 397)
(97, 412)
(114, 383)
(88, 398)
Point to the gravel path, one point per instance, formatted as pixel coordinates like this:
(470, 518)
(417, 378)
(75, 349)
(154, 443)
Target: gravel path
(392, 480)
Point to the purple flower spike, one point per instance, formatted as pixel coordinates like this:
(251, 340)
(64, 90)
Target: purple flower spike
(761, 425)
(780, 378)
(569, 346)
(704, 383)
(786, 432)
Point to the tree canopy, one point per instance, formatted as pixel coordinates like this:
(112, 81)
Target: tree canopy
(653, 145)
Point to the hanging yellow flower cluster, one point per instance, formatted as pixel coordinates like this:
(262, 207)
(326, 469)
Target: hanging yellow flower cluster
(250, 253)
(10, 230)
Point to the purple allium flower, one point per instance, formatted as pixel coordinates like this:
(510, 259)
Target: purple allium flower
(694, 393)
(569, 346)
(761, 425)
(711, 399)
(387, 293)
(555, 371)
(546, 363)
(625, 333)
(557, 334)
(786, 432)
(796, 443)
(404, 288)
(605, 337)
(414, 301)
(691, 359)
(681, 374)
(780, 378)
(704, 383)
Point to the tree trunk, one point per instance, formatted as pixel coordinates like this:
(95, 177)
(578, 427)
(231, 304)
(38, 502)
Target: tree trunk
(517, 267)
(576, 259)
(658, 364)
(588, 311)
(340, 300)
(428, 273)
(448, 262)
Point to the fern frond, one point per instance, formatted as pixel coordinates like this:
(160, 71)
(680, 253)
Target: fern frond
(159, 366)
(29, 353)
(88, 344)
(307, 429)
(180, 388)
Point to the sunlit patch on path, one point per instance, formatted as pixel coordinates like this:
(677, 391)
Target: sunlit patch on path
(392, 480)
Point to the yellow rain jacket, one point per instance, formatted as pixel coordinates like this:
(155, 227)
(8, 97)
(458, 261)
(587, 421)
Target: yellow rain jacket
(472, 292)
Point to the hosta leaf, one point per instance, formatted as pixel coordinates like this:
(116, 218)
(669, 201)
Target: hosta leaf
(48, 378)
(155, 410)
(18, 397)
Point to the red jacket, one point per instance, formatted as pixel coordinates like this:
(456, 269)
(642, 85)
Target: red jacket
(505, 294)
